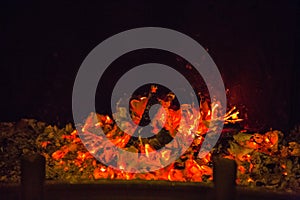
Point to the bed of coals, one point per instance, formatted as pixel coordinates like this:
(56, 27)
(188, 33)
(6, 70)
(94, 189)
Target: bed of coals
(267, 160)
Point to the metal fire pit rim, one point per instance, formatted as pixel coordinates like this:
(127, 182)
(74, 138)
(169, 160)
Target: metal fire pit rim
(153, 187)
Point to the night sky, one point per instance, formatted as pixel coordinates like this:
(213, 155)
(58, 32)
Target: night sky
(255, 45)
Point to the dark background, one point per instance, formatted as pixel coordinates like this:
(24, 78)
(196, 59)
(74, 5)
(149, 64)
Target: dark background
(254, 44)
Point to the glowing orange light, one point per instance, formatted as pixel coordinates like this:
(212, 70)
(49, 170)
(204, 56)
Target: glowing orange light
(74, 132)
(127, 176)
(147, 150)
(98, 124)
(193, 170)
(108, 120)
(242, 169)
(285, 173)
(44, 144)
(102, 169)
(267, 140)
(250, 180)
(235, 115)
(166, 155)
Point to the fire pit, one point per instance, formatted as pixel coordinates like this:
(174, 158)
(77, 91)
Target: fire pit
(46, 154)
(265, 161)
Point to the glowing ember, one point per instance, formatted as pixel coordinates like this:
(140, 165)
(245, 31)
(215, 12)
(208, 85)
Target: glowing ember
(258, 156)
(187, 168)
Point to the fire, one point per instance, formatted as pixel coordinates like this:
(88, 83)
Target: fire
(242, 169)
(147, 147)
(45, 143)
(250, 180)
(102, 169)
(267, 140)
(193, 171)
(58, 155)
(189, 167)
(166, 154)
(98, 124)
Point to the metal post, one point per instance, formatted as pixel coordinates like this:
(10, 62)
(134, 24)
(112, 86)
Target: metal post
(32, 177)
(224, 174)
